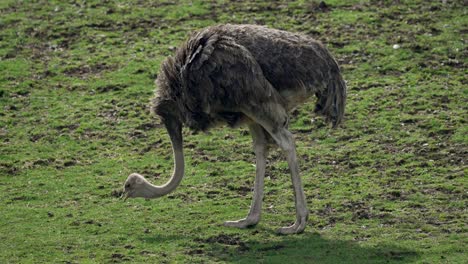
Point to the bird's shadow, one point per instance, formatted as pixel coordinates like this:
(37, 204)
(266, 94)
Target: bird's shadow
(308, 247)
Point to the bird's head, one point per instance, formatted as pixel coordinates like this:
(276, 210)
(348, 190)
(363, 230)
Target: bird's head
(135, 186)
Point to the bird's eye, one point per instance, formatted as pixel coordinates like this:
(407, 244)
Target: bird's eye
(127, 185)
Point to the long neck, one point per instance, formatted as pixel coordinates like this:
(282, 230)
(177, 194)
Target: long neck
(174, 128)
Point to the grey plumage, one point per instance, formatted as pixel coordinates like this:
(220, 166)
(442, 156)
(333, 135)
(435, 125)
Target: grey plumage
(222, 69)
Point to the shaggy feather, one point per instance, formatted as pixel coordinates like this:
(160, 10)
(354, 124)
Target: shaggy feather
(223, 69)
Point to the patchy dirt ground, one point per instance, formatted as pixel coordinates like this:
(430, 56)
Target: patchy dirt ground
(388, 186)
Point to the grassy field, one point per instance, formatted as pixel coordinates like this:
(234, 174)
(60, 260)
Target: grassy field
(389, 186)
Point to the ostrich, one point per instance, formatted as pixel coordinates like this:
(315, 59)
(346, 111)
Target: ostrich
(244, 74)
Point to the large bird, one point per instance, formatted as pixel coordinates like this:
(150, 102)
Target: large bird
(244, 74)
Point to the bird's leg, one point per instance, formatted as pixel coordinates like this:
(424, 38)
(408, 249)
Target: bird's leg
(285, 140)
(273, 118)
(260, 148)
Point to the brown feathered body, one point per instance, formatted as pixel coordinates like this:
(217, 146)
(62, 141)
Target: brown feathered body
(221, 70)
(244, 73)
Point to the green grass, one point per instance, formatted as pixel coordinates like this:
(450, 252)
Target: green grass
(389, 186)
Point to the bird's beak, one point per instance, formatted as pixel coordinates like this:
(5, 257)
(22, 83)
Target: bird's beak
(124, 196)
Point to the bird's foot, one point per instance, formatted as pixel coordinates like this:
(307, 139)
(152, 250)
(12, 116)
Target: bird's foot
(243, 223)
(297, 228)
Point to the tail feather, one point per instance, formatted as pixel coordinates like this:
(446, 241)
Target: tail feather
(331, 103)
